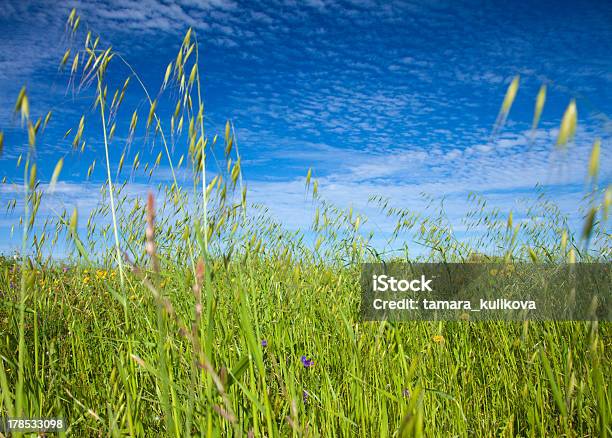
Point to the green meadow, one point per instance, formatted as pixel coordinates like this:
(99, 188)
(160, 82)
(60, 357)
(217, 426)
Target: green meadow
(191, 312)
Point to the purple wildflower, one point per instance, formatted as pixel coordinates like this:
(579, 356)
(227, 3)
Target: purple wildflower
(307, 362)
(305, 395)
(406, 392)
(264, 343)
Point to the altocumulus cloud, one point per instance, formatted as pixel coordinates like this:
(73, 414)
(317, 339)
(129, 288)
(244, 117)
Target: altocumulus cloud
(389, 98)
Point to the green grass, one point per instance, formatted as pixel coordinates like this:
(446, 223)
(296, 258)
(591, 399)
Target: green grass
(368, 378)
(119, 347)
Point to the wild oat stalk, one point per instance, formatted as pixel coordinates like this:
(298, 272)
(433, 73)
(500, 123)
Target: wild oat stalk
(163, 305)
(24, 108)
(200, 119)
(102, 98)
(163, 137)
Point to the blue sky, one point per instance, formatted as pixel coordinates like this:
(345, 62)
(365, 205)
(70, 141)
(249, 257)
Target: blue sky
(379, 98)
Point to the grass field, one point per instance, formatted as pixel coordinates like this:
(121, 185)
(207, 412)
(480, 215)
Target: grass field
(120, 371)
(166, 322)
